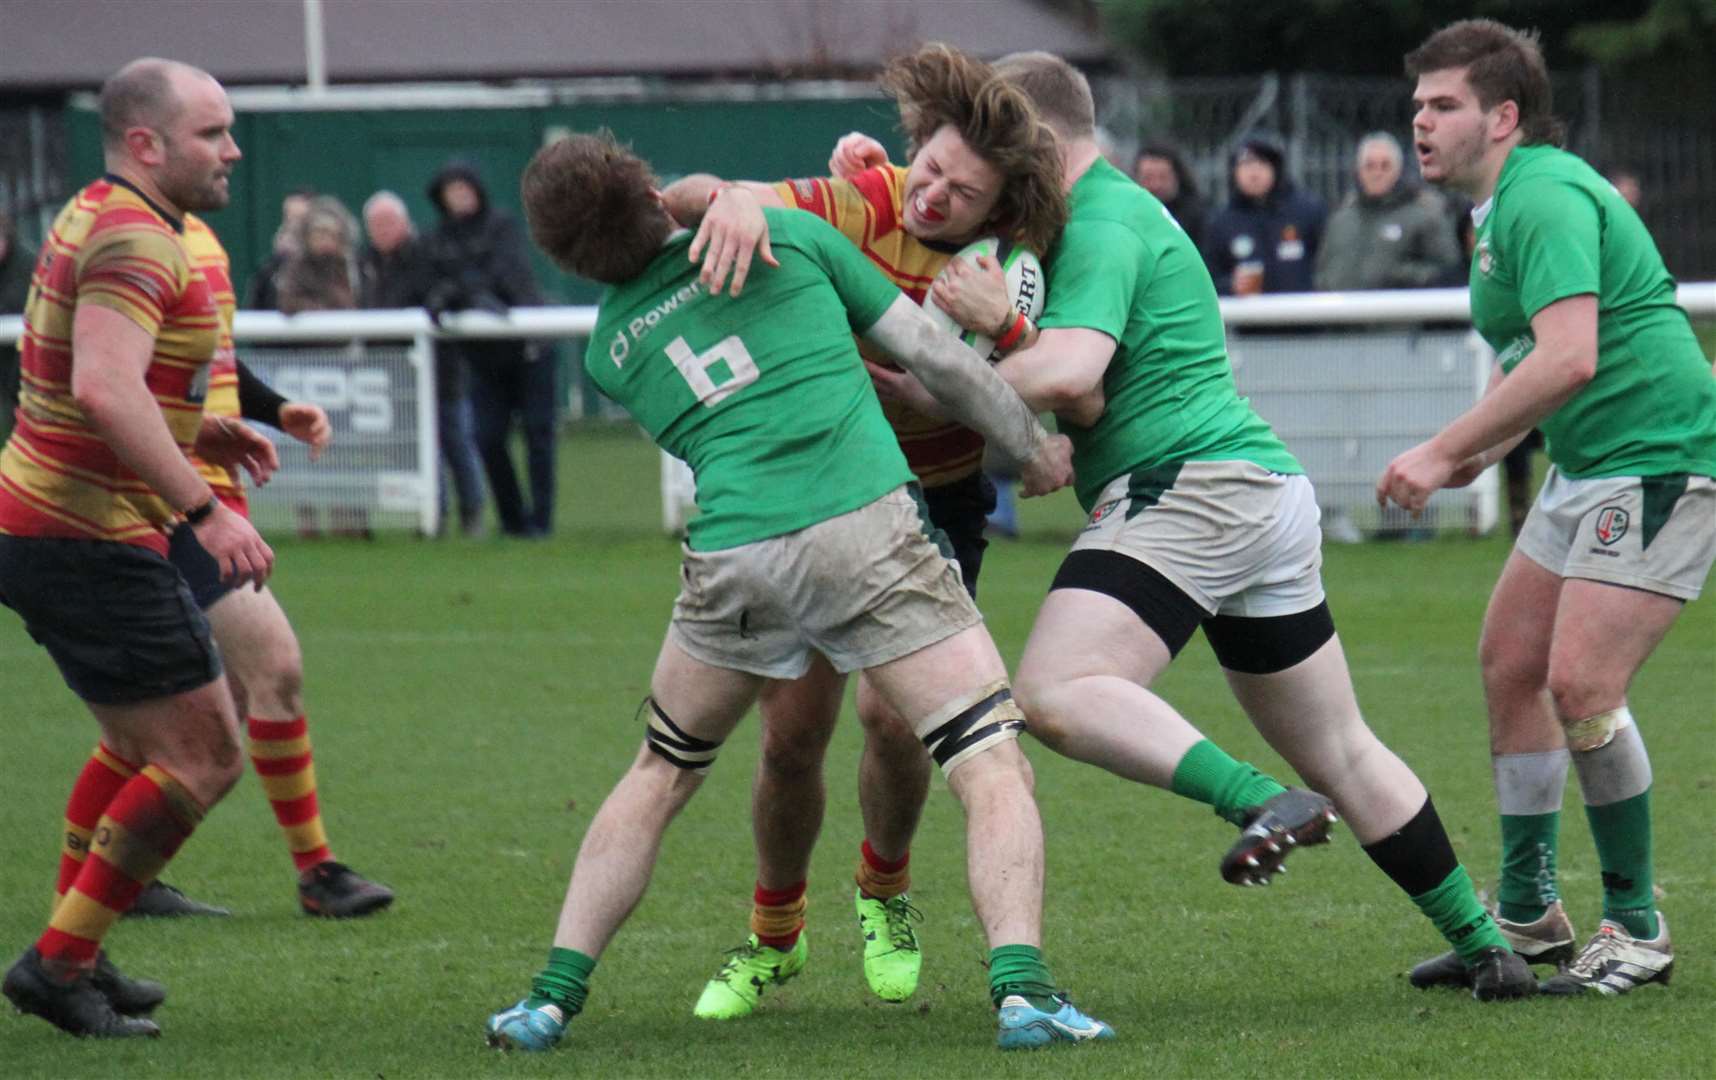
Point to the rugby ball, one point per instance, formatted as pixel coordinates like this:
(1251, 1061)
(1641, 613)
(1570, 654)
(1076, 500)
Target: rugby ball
(1025, 288)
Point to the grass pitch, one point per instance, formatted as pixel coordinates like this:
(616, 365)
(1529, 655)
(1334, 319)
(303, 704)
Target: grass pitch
(472, 702)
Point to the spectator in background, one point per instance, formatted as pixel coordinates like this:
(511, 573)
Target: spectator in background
(320, 273)
(17, 262)
(1160, 170)
(1265, 239)
(479, 260)
(394, 272)
(1390, 233)
(260, 294)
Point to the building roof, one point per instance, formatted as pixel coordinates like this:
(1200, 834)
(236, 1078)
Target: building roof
(75, 44)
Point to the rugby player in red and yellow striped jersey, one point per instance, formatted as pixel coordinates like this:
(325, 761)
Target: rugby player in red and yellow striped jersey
(120, 328)
(264, 661)
(981, 165)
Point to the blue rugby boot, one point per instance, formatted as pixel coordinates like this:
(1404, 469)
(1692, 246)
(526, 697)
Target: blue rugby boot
(1026, 1027)
(524, 1028)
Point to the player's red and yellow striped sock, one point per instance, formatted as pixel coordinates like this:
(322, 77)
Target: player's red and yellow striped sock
(879, 878)
(103, 775)
(777, 915)
(143, 827)
(280, 750)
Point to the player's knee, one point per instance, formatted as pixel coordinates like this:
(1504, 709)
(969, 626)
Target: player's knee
(667, 741)
(1505, 664)
(972, 725)
(791, 759)
(1577, 693)
(885, 730)
(1038, 699)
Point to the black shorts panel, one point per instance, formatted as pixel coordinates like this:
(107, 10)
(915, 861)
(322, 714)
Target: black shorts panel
(961, 510)
(197, 567)
(1162, 605)
(117, 618)
(1267, 645)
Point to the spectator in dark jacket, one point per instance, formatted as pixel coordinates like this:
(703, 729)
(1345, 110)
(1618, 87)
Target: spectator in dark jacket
(1265, 239)
(394, 272)
(1389, 234)
(1160, 170)
(480, 260)
(17, 263)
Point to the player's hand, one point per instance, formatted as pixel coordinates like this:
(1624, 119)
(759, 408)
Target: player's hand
(1415, 475)
(905, 389)
(854, 153)
(733, 230)
(975, 296)
(309, 424)
(1050, 470)
(237, 548)
(233, 444)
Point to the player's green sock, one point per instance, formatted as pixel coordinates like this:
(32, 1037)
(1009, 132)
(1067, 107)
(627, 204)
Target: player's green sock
(1019, 969)
(564, 982)
(1453, 906)
(1622, 833)
(1207, 775)
(1528, 865)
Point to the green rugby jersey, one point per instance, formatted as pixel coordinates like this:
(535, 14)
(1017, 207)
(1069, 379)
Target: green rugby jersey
(1553, 229)
(1125, 268)
(763, 394)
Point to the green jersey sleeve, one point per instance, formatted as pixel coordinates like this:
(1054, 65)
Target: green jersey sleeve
(863, 290)
(1093, 275)
(1555, 237)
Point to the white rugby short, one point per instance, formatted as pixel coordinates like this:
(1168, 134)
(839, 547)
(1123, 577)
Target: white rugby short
(1655, 533)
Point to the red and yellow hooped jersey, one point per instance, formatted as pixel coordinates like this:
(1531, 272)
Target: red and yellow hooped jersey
(110, 246)
(210, 259)
(867, 210)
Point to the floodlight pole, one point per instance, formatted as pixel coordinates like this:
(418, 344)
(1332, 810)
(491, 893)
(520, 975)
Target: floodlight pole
(315, 48)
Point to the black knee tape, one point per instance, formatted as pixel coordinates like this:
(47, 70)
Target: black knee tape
(1163, 606)
(1265, 646)
(680, 750)
(992, 718)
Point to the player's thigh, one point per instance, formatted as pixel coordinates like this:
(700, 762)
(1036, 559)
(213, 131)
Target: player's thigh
(193, 735)
(1603, 635)
(254, 635)
(1079, 632)
(1519, 624)
(702, 700)
(953, 673)
(798, 716)
(1307, 711)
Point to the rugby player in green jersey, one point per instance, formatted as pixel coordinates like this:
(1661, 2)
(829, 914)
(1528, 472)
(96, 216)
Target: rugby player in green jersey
(1569, 290)
(810, 540)
(1199, 516)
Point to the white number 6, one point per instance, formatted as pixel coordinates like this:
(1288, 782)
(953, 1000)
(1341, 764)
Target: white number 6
(695, 368)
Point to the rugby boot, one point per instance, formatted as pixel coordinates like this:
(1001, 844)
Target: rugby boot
(1023, 1026)
(75, 1007)
(750, 969)
(128, 996)
(334, 890)
(1293, 819)
(892, 959)
(1614, 962)
(159, 900)
(1547, 939)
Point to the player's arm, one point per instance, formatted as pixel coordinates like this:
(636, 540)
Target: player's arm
(1559, 365)
(303, 420)
(1062, 373)
(111, 356)
(730, 225)
(971, 392)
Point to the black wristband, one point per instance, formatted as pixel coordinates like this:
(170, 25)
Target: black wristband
(256, 399)
(199, 514)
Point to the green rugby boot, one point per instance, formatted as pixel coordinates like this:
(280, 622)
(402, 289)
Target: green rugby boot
(891, 955)
(750, 969)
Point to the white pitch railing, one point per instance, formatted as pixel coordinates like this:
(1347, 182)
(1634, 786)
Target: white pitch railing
(1348, 379)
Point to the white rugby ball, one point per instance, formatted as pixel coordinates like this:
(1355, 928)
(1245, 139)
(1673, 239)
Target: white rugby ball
(1025, 288)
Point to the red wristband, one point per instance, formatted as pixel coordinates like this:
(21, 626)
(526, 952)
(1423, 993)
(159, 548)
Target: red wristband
(1014, 333)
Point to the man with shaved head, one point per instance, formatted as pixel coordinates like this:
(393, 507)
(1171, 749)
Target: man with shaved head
(125, 318)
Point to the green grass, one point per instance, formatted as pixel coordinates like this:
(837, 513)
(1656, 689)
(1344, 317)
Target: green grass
(472, 702)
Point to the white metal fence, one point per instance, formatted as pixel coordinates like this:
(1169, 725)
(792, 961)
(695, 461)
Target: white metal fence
(1348, 379)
